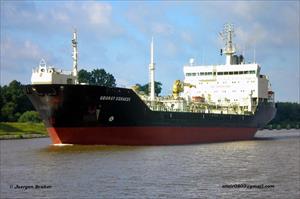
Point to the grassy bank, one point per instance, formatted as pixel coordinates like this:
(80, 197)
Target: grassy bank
(17, 130)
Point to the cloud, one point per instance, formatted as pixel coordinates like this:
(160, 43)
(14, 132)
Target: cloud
(275, 24)
(187, 37)
(246, 10)
(17, 59)
(161, 28)
(249, 38)
(149, 19)
(171, 49)
(89, 16)
(31, 32)
(27, 51)
(98, 13)
(60, 17)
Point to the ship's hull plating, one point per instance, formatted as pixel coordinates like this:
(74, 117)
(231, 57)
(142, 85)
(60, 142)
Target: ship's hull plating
(84, 114)
(147, 135)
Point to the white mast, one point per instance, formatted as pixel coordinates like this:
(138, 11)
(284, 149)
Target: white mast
(151, 72)
(75, 56)
(227, 35)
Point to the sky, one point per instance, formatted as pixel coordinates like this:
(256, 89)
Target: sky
(116, 36)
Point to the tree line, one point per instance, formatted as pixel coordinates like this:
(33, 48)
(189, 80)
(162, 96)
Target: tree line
(96, 77)
(146, 88)
(287, 116)
(102, 78)
(13, 102)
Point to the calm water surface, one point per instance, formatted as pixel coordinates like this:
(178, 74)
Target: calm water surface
(188, 171)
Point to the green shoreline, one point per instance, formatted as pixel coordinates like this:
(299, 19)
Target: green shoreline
(17, 130)
(22, 136)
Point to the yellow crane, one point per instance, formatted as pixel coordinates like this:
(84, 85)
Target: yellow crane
(178, 87)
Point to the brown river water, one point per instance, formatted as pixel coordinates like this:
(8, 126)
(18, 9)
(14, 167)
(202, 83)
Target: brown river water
(266, 167)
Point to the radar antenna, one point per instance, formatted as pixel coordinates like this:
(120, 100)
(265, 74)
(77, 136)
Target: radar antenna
(227, 35)
(43, 63)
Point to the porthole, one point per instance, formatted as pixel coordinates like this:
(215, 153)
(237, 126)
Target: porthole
(111, 118)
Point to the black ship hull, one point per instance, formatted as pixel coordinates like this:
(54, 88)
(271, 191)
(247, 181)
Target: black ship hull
(86, 114)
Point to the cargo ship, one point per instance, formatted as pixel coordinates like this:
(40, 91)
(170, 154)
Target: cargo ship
(214, 103)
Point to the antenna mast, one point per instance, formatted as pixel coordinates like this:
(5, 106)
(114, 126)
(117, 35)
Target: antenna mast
(75, 56)
(151, 71)
(227, 35)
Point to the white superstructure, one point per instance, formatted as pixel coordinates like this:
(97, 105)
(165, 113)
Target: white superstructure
(44, 74)
(232, 84)
(239, 85)
(231, 88)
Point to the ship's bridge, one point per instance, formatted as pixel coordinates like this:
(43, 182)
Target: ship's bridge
(226, 84)
(44, 74)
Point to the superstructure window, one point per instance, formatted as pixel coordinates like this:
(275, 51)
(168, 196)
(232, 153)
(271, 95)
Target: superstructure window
(232, 72)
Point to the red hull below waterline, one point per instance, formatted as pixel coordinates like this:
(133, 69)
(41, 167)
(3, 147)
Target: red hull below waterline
(147, 135)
